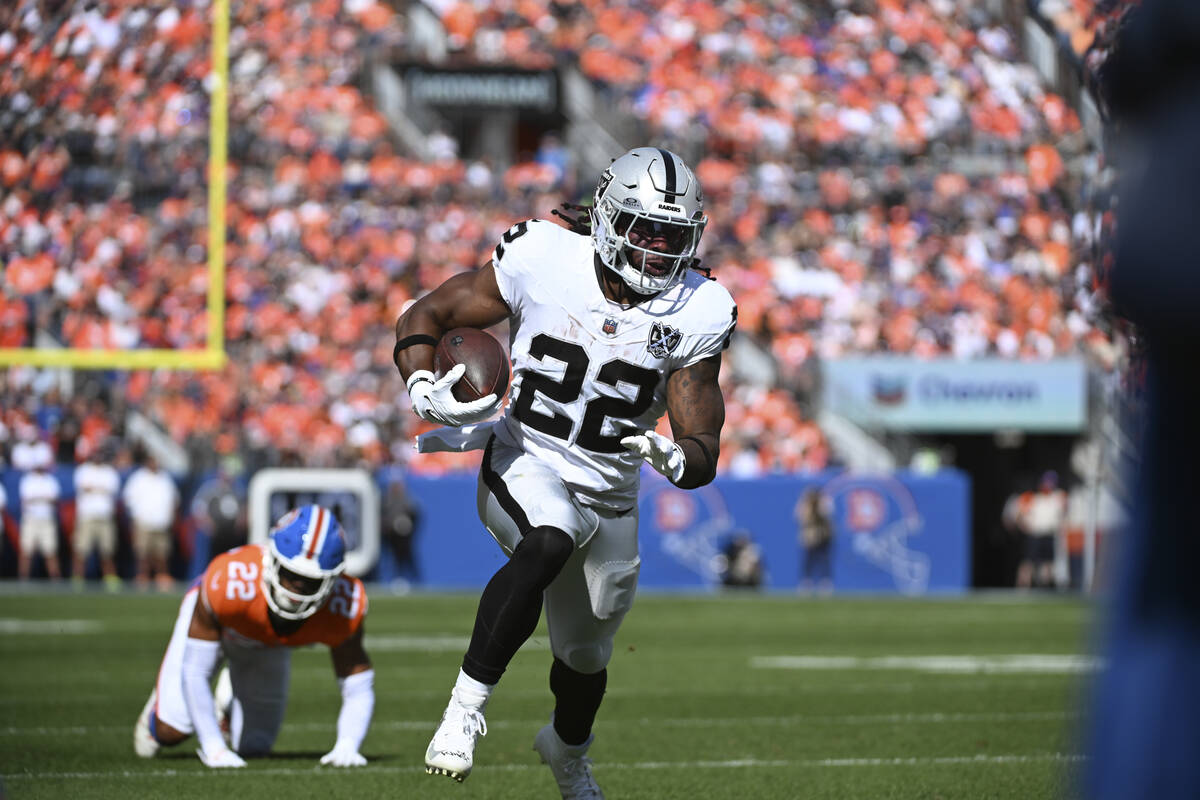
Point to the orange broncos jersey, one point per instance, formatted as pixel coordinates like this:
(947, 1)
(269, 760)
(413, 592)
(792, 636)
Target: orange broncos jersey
(232, 589)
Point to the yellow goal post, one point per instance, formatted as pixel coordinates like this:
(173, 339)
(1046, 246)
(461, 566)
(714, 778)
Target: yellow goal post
(212, 356)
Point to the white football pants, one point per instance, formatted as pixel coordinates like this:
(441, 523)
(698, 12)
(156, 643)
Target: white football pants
(590, 597)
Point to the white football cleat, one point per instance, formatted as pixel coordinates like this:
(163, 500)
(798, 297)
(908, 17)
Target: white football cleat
(452, 750)
(571, 767)
(143, 742)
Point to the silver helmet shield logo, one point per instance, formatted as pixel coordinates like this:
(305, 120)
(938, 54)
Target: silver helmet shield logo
(647, 219)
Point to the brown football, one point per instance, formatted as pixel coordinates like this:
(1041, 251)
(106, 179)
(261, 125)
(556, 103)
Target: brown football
(487, 363)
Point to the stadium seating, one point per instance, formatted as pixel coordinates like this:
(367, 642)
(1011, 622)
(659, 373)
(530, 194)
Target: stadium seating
(892, 181)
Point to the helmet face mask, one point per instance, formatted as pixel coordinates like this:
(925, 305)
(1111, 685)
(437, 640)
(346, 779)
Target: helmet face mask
(299, 585)
(647, 219)
(302, 563)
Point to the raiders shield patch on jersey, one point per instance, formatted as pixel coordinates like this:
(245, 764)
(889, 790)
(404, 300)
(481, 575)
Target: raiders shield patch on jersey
(663, 340)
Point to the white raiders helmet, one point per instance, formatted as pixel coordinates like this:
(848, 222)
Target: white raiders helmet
(648, 196)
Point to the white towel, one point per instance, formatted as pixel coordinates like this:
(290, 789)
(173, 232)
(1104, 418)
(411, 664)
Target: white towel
(455, 440)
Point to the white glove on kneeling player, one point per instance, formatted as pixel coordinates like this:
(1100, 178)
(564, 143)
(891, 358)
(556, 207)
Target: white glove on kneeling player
(433, 401)
(659, 451)
(220, 759)
(344, 755)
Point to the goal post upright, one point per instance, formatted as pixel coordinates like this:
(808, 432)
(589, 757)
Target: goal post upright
(218, 128)
(212, 356)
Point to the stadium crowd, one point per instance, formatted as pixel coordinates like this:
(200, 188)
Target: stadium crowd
(883, 177)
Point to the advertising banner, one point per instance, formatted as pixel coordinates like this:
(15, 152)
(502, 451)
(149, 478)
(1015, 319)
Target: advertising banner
(483, 88)
(901, 533)
(905, 533)
(944, 395)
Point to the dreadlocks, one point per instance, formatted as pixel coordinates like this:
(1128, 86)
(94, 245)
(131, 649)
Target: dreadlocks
(578, 217)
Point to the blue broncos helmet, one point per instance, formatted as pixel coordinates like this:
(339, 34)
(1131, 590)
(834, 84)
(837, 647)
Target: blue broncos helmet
(308, 550)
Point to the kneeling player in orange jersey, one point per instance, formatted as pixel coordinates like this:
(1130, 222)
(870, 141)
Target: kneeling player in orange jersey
(251, 606)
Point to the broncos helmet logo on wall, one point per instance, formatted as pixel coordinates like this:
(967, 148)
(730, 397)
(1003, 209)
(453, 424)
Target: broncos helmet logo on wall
(692, 524)
(880, 515)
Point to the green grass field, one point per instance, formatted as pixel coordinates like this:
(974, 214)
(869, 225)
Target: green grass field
(709, 697)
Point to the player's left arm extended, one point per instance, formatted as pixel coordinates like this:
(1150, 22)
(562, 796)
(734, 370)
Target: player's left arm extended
(200, 656)
(696, 410)
(356, 679)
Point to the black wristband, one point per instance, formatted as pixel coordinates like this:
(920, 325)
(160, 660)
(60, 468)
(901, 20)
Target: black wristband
(409, 341)
(710, 465)
(709, 461)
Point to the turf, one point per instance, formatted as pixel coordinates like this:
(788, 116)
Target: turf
(693, 710)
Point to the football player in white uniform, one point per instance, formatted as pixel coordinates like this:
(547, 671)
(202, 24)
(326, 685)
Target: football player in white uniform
(607, 332)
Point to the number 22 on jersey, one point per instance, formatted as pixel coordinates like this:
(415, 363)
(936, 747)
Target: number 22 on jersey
(345, 599)
(567, 390)
(242, 582)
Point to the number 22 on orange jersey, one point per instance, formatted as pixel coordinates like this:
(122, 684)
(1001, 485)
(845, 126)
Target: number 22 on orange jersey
(345, 598)
(242, 582)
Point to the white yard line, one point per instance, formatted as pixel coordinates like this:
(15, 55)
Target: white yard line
(12, 625)
(436, 643)
(933, 718)
(742, 763)
(390, 643)
(962, 682)
(1006, 664)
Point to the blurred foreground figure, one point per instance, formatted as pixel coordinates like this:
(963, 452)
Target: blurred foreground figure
(97, 484)
(1039, 516)
(1146, 709)
(814, 518)
(152, 500)
(250, 608)
(39, 491)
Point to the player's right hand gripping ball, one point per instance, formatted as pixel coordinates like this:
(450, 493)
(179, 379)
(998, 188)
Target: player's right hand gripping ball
(487, 367)
(450, 399)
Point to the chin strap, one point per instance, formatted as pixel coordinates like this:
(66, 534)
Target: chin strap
(705, 271)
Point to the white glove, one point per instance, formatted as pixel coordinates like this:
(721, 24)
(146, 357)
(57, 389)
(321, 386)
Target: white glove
(433, 401)
(222, 758)
(659, 452)
(344, 755)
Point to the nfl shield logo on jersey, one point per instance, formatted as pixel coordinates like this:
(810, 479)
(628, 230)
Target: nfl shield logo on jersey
(663, 340)
(610, 326)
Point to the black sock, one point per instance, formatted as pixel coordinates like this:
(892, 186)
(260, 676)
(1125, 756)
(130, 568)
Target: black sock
(512, 602)
(577, 697)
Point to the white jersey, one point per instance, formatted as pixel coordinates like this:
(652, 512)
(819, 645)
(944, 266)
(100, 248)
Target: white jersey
(96, 488)
(588, 371)
(39, 495)
(151, 498)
